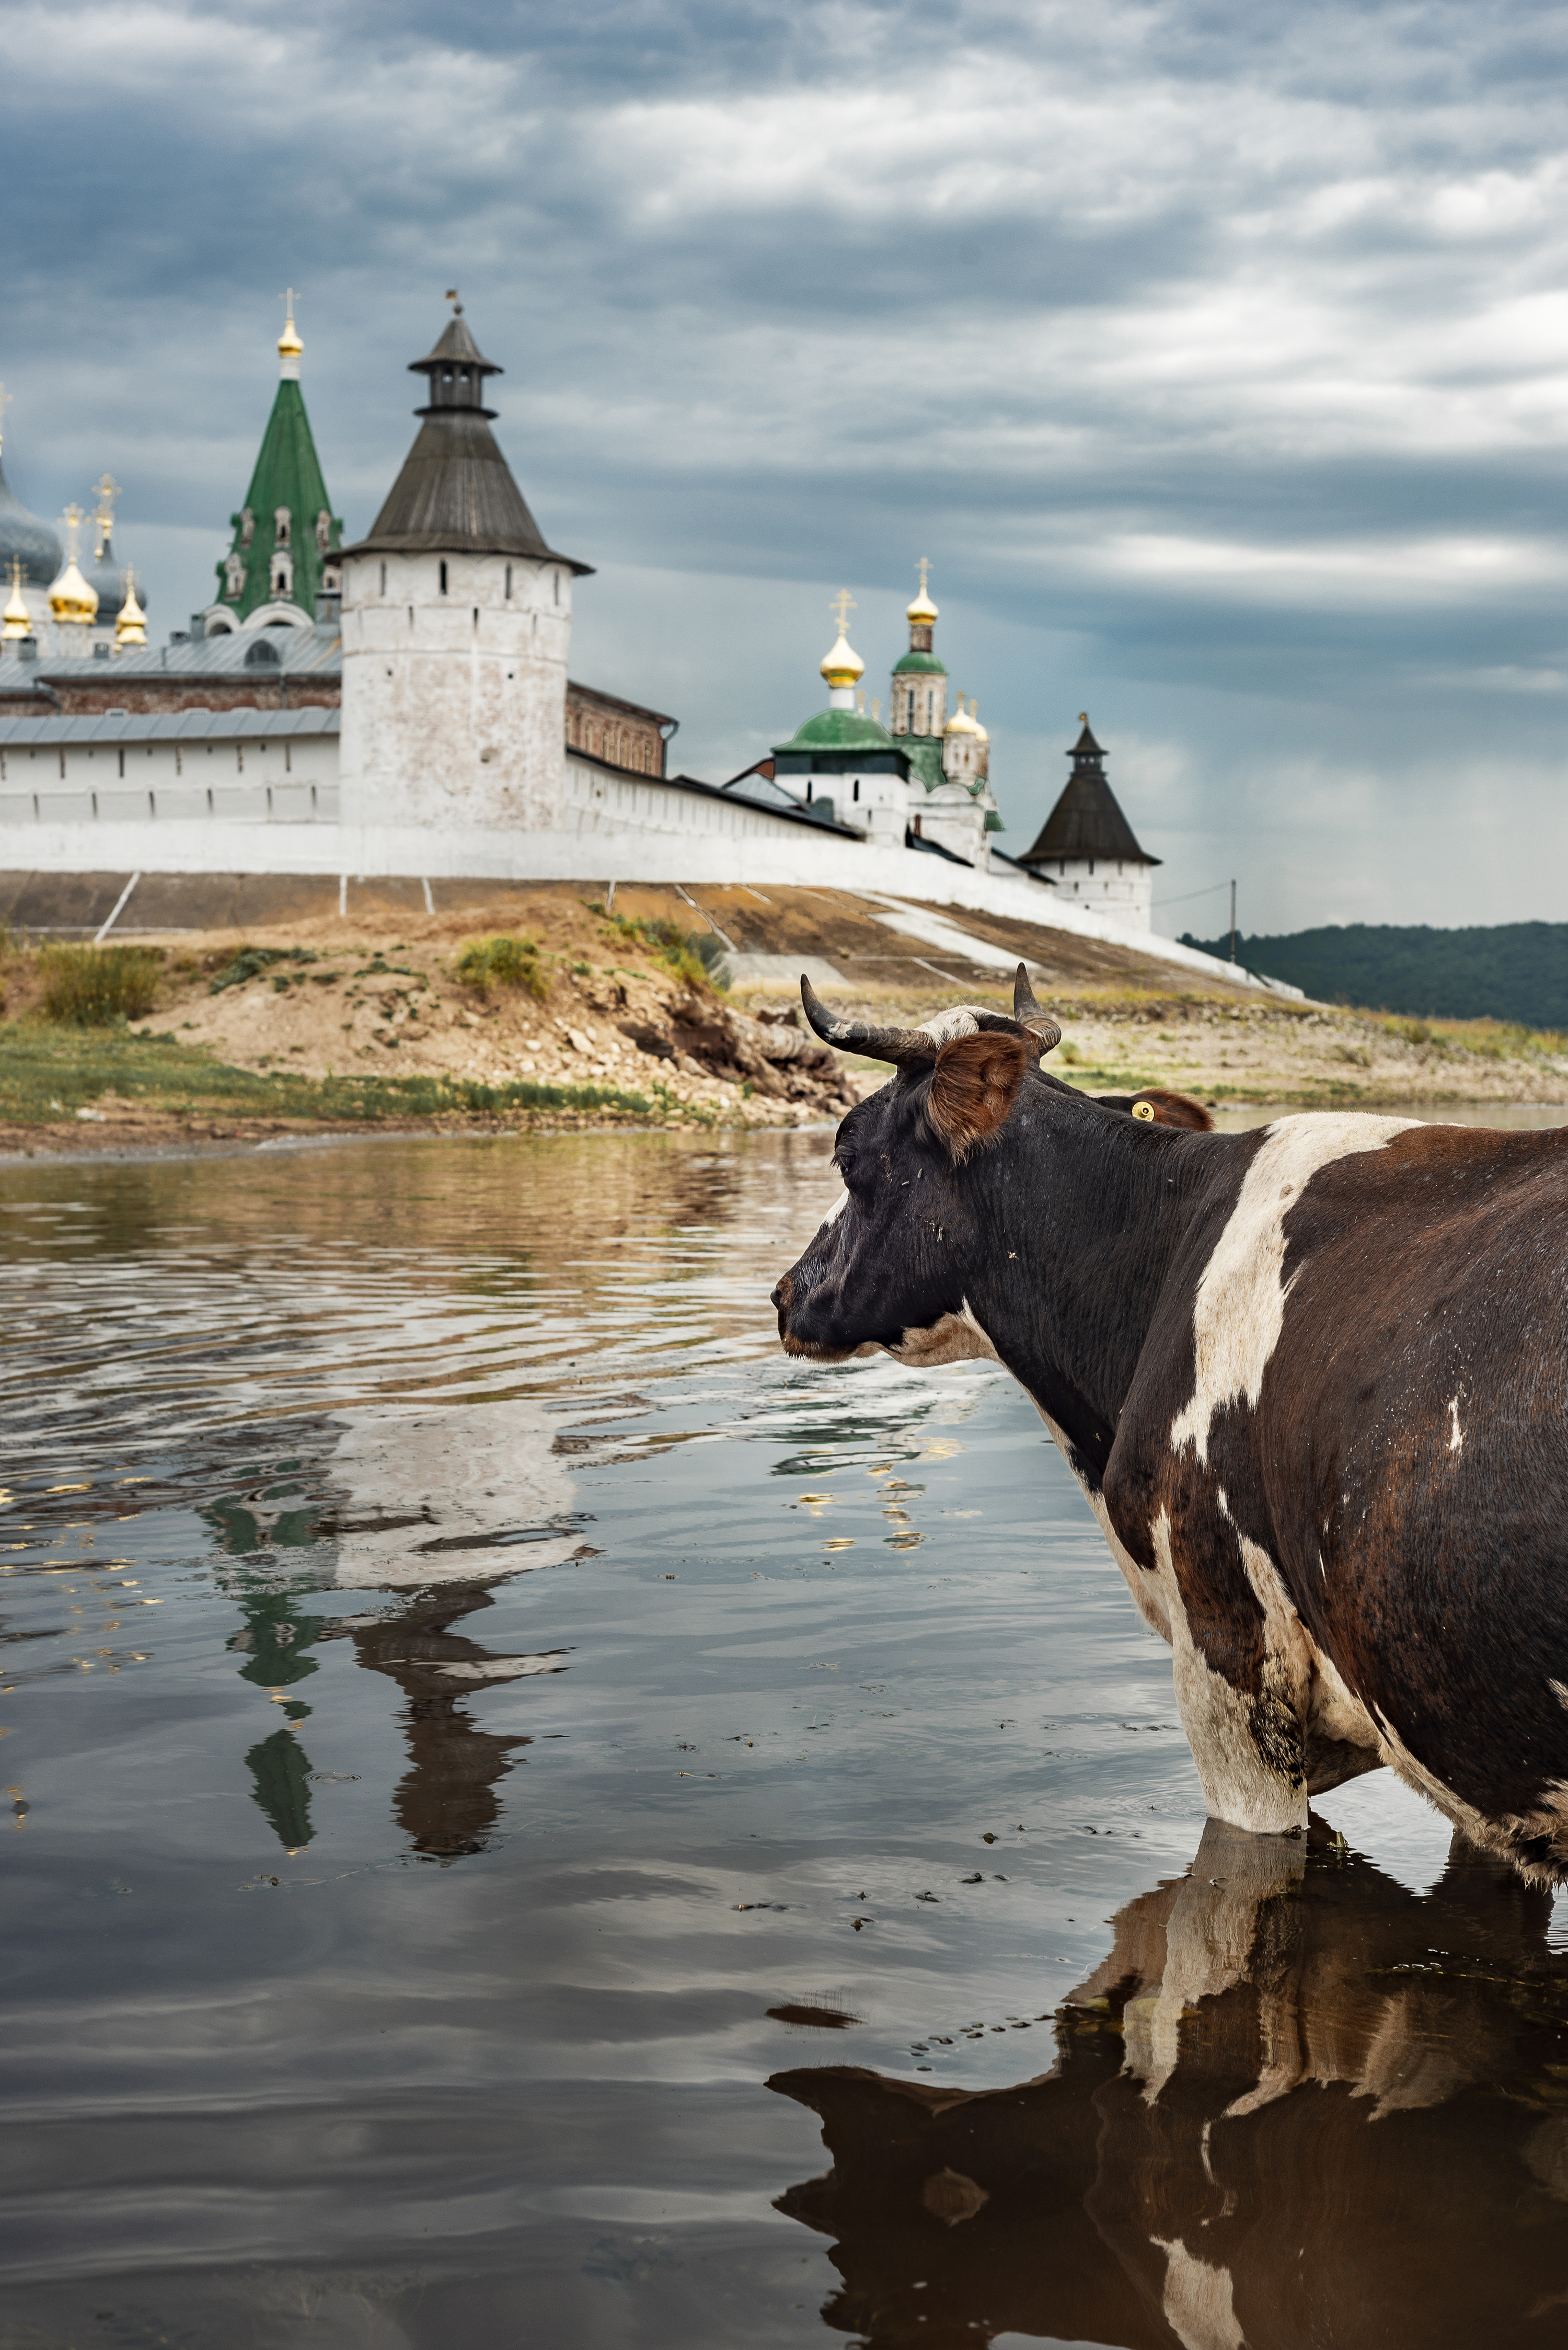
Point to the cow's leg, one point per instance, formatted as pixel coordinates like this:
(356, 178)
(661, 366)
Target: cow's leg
(1239, 1690)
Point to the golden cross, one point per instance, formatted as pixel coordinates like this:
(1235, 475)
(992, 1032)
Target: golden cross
(73, 519)
(287, 301)
(106, 491)
(842, 604)
(925, 568)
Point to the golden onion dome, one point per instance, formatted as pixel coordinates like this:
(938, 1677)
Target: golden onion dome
(960, 723)
(15, 620)
(843, 666)
(71, 600)
(922, 612)
(130, 627)
(289, 346)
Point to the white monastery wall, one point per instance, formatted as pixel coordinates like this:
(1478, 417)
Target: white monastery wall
(1107, 884)
(292, 781)
(720, 843)
(454, 696)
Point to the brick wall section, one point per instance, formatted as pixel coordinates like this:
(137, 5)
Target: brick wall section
(82, 699)
(619, 733)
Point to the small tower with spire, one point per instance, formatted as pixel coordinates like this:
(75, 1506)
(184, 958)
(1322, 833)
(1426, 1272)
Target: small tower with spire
(457, 618)
(918, 706)
(106, 576)
(281, 569)
(1087, 848)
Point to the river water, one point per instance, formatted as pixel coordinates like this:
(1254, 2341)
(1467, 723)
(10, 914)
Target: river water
(534, 1820)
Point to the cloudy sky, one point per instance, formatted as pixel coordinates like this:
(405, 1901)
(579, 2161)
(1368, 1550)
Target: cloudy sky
(1215, 353)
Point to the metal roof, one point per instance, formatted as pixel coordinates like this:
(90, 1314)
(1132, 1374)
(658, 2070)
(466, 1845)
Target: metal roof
(1086, 821)
(315, 650)
(174, 726)
(456, 495)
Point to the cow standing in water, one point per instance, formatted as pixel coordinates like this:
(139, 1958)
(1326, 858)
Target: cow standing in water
(1311, 1378)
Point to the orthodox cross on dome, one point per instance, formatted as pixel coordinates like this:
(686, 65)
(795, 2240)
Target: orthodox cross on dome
(842, 604)
(73, 518)
(452, 296)
(925, 572)
(106, 491)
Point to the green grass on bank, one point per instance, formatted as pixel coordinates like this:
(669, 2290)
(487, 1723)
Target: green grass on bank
(48, 1073)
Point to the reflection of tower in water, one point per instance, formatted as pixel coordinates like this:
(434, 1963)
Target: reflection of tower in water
(446, 1800)
(405, 1500)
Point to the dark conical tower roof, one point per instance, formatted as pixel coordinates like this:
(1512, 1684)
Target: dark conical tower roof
(456, 495)
(1086, 820)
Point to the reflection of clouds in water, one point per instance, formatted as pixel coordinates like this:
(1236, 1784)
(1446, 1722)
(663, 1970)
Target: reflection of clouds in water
(1295, 2105)
(443, 1496)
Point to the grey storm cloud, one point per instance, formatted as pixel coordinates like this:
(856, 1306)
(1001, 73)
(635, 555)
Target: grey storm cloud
(1217, 356)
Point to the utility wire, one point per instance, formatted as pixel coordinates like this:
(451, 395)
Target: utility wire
(1187, 895)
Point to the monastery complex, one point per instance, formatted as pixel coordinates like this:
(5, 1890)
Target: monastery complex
(402, 705)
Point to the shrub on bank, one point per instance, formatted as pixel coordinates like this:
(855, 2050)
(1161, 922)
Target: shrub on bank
(92, 987)
(485, 963)
(693, 956)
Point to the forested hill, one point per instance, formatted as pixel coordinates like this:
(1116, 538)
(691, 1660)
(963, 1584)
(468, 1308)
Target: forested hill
(1515, 971)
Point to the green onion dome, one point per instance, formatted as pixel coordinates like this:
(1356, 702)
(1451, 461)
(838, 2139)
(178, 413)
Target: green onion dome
(839, 730)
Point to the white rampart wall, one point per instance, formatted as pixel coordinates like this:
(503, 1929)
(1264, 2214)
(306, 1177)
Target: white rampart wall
(455, 704)
(88, 785)
(632, 829)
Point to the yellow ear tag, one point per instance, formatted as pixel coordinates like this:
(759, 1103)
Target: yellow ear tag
(1143, 1111)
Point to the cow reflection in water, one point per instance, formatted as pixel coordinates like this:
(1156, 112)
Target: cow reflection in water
(1297, 2108)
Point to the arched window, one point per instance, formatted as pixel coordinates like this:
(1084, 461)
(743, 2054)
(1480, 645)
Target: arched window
(282, 526)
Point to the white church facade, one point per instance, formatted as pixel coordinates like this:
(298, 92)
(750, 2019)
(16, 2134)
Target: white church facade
(402, 705)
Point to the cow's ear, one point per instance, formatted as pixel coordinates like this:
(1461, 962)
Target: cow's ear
(1165, 1107)
(974, 1086)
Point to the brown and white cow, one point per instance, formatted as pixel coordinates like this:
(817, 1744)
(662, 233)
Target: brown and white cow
(1311, 1380)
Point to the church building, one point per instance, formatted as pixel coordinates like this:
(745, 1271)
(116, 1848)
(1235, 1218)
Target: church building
(59, 603)
(924, 779)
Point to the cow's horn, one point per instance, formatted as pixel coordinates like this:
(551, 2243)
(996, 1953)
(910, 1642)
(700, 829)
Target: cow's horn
(1028, 1014)
(899, 1045)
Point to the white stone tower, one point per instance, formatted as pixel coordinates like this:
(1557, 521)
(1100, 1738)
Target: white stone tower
(457, 618)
